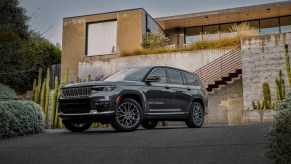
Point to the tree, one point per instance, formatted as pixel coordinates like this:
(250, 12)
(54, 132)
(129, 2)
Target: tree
(13, 16)
(22, 52)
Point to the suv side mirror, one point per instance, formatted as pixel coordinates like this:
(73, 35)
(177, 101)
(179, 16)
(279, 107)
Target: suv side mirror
(153, 79)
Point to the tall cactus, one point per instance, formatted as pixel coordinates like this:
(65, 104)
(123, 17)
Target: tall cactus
(67, 76)
(33, 90)
(89, 78)
(59, 94)
(54, 99)
(267, 95)
(280, 87)
(287, 64)
(38, 90)
(42, 100)
(47, 93)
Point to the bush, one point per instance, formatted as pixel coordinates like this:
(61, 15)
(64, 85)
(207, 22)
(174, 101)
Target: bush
(18, 117)
(153, 41)
(7, 93)
(279, 136)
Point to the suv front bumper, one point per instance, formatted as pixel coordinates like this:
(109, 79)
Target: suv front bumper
(93, 116)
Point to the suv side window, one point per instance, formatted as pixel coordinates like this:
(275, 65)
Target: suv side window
(161, 73)
(175, 77)
(191, 79)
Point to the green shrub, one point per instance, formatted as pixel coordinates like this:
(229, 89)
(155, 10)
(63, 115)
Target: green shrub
(6, 93)
(152, 41)
(20, 117)
(17, 116)
(279, 136)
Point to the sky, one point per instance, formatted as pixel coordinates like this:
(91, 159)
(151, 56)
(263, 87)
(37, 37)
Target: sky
(47, 15)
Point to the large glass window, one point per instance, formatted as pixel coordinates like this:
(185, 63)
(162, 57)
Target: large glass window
(225, 30)
(269, 26)
(193, 34)
(211, 32)
(175, 77)
(101, 38)
(160, 73)
(255, 24)
(285, 23)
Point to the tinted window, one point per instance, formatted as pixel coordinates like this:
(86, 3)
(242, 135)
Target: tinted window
(175, 77)
(161, 73)
(191, 79)
(130, 74)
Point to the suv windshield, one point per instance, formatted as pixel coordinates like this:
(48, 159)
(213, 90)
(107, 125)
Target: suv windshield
(130, 74)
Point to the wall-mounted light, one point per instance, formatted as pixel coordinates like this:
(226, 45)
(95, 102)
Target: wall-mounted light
(268, 10)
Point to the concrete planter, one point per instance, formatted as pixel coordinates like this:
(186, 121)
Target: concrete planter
(258, 116)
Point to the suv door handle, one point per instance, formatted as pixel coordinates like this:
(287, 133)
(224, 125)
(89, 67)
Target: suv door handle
(189, 89)
(167, 87)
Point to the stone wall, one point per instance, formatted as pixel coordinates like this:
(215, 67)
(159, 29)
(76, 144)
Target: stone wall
(263, 57)
(226, 104)
(190, 61)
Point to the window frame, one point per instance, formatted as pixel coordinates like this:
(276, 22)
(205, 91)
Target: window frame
(87, 33)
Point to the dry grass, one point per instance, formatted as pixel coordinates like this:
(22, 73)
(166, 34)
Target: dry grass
(240, 30)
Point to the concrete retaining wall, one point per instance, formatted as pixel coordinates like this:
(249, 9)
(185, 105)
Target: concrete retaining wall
(190, 61)
(263, 57)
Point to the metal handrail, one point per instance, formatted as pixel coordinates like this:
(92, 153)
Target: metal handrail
(220, 67)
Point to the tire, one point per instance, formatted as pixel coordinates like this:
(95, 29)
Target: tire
(196, 116)
(128, 115)
(149, 124)
(77, 126)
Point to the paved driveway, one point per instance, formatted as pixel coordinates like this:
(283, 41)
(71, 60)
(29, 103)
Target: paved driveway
(210, 144)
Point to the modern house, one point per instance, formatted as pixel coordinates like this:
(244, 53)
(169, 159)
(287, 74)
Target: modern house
(106, 35)
(93, 44)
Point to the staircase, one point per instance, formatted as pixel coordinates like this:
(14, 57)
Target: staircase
(221, 70)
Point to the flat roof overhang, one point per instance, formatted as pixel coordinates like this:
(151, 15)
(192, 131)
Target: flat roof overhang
(226, 16)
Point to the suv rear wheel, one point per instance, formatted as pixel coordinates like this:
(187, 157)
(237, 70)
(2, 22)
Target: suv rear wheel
(128, 115)
(149, 124)
(196, 116)
(77, 126)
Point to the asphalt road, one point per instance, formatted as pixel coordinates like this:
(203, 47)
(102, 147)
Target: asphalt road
(210, 144)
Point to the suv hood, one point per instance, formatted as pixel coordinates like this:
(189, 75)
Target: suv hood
(103, 83)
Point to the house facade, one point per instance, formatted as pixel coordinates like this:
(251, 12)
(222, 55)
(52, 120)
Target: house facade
(93, 44)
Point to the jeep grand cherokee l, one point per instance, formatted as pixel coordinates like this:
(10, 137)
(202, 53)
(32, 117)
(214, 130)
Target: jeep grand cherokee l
(133, 97)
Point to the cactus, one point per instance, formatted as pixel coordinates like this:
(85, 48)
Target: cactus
(254, 105)
(54, 99)
(42, 94)
(59, 94)
(258, 105)
(38, 88)
(47, 93)
(280, 87)
(67, 76)
(89, 78)
(33, 89)
(78, 79)
(287, 64)
(267, 95)
(263, 105)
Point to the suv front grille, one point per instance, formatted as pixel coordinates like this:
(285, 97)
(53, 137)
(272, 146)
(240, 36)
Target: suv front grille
(74, 106)
(76, 92)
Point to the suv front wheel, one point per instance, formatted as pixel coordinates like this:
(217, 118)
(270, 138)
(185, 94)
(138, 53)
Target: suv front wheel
(77, 126)
(196, 116)
(128, 115)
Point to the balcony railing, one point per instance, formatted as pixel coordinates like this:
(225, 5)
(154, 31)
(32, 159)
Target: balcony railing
(220, 67)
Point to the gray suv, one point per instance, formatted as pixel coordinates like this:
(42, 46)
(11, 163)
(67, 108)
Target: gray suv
(133, 97)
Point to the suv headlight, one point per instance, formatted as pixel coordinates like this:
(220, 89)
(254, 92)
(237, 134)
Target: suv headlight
(103, 88)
